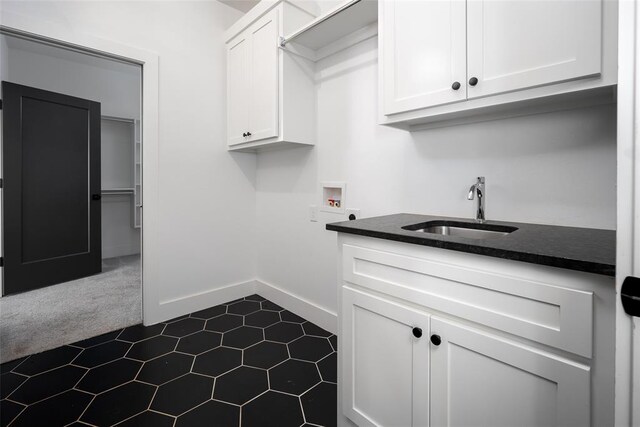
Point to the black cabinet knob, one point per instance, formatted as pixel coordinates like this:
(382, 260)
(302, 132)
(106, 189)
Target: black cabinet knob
(455, 85)
(248, 133)
(473, 81)
(417, 332)
(435, 339)
(244, 134)
(96, 197)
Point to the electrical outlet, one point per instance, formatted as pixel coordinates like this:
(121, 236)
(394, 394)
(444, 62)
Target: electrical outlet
(313, 213)
(355, 212)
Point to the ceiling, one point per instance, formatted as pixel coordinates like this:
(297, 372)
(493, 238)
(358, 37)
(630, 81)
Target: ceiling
(241, 5)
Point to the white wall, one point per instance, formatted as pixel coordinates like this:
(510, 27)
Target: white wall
(557, 168)
(117, 87)
(206, 196)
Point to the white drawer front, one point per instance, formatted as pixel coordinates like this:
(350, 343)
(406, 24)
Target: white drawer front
(542, 312)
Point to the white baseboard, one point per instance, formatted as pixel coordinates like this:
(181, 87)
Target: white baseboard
(188, 304)
(300, 306)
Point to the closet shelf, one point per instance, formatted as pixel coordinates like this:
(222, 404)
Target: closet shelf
(335, 24)
(117, 191)
(117, 119)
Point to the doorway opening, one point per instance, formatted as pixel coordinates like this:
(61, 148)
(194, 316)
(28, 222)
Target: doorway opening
(72, 222)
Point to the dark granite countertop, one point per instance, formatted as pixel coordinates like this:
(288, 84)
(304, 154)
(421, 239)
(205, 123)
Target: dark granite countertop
(581, 249)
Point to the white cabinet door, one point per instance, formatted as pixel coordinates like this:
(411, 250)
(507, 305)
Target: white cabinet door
(385, 368)
(263, 65)
(478, 379)
(237, 91)
(423, 52)
(517, 44)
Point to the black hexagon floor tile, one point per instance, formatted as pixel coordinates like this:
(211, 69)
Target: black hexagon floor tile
(9, 411)
(312, 329)
(199, 342)
(152, 348)
(262, 318)
(288, 316)
(244, 307)
(161, 374)
(9, 382)
(9, 366)
(233, 302)
(329, 368)
(240, 385)
(310, 348)
(140, 332)
(90, 342)
(217, 361)
(242, 337)
(183, 327)
(47, 360)
(175, 319)
(47, 384)
(255, 297)
(265, 354)
(283, 332)
(224, 323)
(268, 305)
(294, 376)
(210, 313)
(319, 404)
(225, 415)
(165, 368)
(58, 410)
(119, 403)
(109, 375)
(273, 409)
(333, 339)
(178, 396)
(148, 419)
(101, 354)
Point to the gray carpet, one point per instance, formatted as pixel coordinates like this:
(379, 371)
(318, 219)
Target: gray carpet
(46, 318)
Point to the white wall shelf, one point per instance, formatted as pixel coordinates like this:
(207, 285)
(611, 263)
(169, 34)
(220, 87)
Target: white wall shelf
(339, 22)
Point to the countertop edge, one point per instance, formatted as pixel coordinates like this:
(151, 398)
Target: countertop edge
(551, 261)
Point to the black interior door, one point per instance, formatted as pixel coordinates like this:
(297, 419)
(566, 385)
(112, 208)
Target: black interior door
(51, 195)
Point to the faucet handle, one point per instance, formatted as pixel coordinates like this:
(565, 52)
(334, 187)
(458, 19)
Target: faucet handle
(472, 192)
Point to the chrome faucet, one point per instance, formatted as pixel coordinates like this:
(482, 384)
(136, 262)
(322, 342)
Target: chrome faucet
(479, 188)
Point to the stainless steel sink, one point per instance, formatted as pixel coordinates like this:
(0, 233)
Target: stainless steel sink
(462, 229)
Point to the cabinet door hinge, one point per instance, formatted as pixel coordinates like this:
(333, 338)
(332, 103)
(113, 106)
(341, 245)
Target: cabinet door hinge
(0, 104)
(1, 183)
(1, 261)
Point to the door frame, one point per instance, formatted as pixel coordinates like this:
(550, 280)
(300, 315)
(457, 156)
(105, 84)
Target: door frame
(46, 32)
(627, 370)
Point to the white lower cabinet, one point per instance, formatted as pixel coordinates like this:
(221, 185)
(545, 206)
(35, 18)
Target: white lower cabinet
(430, 337)
(478, 379)
(386, 368)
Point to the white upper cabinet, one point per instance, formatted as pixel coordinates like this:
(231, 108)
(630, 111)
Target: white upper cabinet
(237, 91)
(526, 43)
(428, 44)
(265, 109)
(503, 53)
(263, 71)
